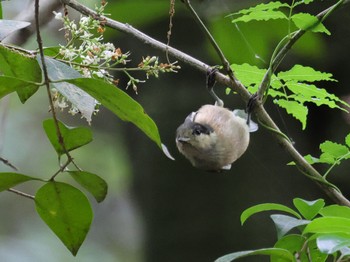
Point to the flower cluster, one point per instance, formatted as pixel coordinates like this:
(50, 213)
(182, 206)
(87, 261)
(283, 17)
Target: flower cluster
(87, 52)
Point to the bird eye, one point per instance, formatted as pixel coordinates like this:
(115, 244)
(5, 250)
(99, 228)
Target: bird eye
(198, 129)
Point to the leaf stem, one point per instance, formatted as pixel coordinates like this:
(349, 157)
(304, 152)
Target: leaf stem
(20, 193)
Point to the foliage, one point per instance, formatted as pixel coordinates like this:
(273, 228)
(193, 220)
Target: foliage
(78, 75)
(315, 232)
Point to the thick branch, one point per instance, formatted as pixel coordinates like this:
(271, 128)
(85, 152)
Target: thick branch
(226, 81)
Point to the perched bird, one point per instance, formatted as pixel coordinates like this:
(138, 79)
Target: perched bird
(214, 137)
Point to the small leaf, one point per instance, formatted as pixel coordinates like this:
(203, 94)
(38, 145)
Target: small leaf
(335, 211)
(72, 137)
(263, 7)
(332, 243)
(295, 109)
(26, 68)
(304, 73)
(310, 93)
(284, 224)
(260, 15)
(309, 22)
(66, 211)
(266, 207)
(80, 99)
(91, 182)
(308, 209)
(120, 103)
(7, 27)
(334, 149)
(283, 254)
(8, 180)
(247, 74)
(328, 225)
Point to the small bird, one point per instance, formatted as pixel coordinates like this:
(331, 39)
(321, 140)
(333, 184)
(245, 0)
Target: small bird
(214, 137)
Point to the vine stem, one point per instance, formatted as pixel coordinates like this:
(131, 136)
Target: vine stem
(224, 80)
(47, 82)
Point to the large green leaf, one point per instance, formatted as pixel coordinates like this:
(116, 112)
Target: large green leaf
(328, 225)
(10, 84)
(331, 243)
(66, 211)
(80, 99)
(286, 223)
(15, 64)
(72, 137)
(120, 104)
(283, 254)
(266, 207)
(292, 243)
(9, 179)
(7, 27)
(335, 211)
(91, 182)
(308, 209)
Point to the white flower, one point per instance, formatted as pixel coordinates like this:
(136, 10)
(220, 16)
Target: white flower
(58, 15)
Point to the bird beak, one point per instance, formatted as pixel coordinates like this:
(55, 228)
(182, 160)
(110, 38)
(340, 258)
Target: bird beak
(182, 139)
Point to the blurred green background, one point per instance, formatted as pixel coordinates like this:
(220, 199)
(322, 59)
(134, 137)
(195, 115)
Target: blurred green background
(162, 210)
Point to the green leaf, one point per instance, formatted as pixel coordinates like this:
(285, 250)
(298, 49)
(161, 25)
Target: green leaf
(261, 12)
(347, 140)
(260, 15)
(307, 22)
(335, 211)
(66, 211)
(80, 99)
(310, 93)
(282, 254)
(334, 149)
(313, 253)
(72, 137)
(304, 73)
(248, 74)
(292, 243)
(297, 110)
(266, 207)
(328, 225)
(8, 179)
(91, 182)
(308, 209)
(10, 84)
(284, 224)
(26, 68)
(331, 243)
(7, 27)
(120, 103)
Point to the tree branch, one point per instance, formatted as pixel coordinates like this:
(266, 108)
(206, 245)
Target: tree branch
(226, 81)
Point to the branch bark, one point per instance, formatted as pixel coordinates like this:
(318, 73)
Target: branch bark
(260, 111)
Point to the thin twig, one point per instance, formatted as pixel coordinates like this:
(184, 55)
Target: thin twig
(8, 163)
(224, 80)
(47, 82)
(171, 16)
(223, 59)
(20, 193)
